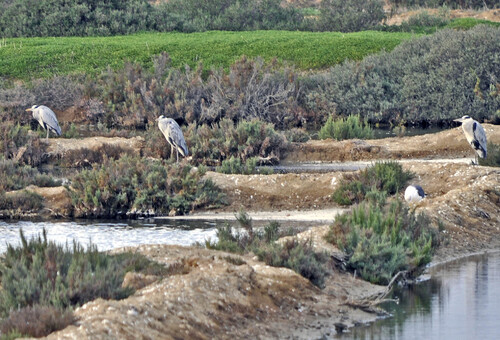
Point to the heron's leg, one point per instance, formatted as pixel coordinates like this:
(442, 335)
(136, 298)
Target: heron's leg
(171, 151)
(47, 138)
(177, 155)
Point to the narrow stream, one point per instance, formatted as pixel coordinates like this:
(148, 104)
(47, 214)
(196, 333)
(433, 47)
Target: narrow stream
(461, 300)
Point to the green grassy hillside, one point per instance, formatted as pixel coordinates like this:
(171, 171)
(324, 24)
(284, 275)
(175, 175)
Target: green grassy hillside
(27, 58)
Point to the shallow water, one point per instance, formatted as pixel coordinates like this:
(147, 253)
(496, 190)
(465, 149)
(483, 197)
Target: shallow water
(460, 301)
(109, 235)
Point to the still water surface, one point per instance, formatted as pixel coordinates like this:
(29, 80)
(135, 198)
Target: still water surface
(109, 235)
(460, 301)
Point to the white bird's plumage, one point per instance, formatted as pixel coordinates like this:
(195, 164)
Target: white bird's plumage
(173, 134)
(475, 134)
(414, 194)
(47, 118)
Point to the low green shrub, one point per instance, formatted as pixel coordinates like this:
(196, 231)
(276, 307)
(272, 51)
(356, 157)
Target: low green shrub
(492, 157)
(298, 256)
(388, 177)
(25, 201)
(133, 185)
(381, 239)
(16, 177)
(42, 282)
(42, 272)
(345, 128)
(235, 166)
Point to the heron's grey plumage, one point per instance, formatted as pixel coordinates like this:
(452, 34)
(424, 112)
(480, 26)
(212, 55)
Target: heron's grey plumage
(47, 118)
(475, 134)
(173, 134)
(414, 193)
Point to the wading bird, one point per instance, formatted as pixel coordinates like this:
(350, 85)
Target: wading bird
(47, 119)
(474, 132)
(173, 134)
(414, 194)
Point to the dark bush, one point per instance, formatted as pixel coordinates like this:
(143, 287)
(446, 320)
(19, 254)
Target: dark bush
(349, 15)
(36, 321)
(19, 144)
(25, 18)
(213, 144)
(15, 177)
(431, 79)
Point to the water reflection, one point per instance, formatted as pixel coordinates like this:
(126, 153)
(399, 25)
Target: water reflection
(460, 301)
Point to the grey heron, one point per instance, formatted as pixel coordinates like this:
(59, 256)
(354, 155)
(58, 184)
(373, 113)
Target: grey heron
(414, 194)
(47, 119)
(475, 134)
(173, 134)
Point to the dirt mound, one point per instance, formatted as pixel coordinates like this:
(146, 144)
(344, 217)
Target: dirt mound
(217, 298)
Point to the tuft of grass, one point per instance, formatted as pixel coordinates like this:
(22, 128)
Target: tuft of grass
(493, 156)
(298, 256)
(381, 239)
(345, 128)
(388, 177)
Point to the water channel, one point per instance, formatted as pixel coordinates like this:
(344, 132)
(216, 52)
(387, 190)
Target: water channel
(459, 301)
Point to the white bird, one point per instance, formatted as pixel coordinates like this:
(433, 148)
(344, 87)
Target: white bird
(47, 119)
(414, 194)
(475, 134)
(173, 134)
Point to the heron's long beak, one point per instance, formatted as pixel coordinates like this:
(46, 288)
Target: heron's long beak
(30, 109)
(460, 120)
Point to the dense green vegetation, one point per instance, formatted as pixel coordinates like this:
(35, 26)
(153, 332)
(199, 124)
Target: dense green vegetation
(382, 238)
(25, 18)
(348, 128)
(298, 256)
(131, 185)
(388, 177)
(42, 277)
(31, 58)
